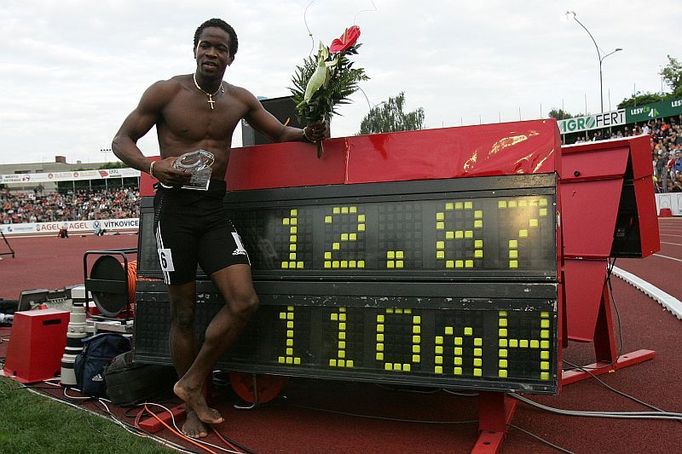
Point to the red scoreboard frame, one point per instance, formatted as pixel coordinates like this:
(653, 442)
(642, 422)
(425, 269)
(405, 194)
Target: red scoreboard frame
(356, 308)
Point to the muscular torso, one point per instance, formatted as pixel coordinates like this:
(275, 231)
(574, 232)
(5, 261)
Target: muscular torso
(187, 122)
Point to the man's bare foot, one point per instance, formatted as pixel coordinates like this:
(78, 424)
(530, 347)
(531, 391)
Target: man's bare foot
(194, 399)
(193, 427)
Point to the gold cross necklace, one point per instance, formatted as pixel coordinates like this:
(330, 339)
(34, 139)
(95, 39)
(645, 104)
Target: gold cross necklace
(209, 95)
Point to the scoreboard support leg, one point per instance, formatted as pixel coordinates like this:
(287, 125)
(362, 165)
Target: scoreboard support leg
(495, 412)
(605, 348)
(256, 389)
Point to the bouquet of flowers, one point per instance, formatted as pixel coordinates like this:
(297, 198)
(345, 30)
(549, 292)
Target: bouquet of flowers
(327, 80)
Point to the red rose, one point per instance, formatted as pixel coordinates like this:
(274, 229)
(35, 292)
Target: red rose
(347, 40)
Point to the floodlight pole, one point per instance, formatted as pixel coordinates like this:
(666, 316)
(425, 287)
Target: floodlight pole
(599, 56)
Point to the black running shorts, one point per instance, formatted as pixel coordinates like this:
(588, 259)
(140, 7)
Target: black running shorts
(192, 227)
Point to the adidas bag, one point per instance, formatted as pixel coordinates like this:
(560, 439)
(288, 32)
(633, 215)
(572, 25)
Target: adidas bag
(130, 383)
(98, 352)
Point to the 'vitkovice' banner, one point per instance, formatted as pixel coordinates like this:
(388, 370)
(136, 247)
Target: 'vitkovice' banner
(46, 228)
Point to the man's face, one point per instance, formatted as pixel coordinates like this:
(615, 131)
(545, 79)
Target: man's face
(213, 52)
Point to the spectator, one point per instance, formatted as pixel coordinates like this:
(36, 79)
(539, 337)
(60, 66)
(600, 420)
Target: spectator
(661, 174)
(63, 231)
(677, 185)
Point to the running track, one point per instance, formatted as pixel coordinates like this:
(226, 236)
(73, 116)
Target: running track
(300, 425)
(49, 262)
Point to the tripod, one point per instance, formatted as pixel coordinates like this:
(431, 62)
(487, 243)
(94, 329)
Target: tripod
(11, 251)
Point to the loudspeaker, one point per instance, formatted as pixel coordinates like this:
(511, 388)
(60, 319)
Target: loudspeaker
(30, 298)
(282, 108)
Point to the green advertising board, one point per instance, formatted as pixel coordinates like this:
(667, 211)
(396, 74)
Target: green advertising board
(660, 109)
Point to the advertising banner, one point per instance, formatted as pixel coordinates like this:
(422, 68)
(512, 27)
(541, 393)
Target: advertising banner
(78, 175)
(590, 122)
(661, 109)
(44, 228)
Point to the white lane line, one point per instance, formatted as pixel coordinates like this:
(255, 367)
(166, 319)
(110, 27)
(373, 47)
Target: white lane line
(666, 300)
(672, 244)
(669, 234)
(666, 257)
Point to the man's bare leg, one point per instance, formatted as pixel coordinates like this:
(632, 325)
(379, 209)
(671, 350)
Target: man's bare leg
(235, 285)
(183, 345)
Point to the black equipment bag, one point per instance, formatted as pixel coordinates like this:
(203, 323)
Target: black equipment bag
(130, 383)
(98, 352)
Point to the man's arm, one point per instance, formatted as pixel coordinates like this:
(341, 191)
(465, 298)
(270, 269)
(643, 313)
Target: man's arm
(136, 125)
(265, 122)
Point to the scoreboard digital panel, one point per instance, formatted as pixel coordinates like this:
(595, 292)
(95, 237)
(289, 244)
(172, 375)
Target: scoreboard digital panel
(487, 228)
(446, 283)
(407, 230)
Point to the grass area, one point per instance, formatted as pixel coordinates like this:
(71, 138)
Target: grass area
(31, 423)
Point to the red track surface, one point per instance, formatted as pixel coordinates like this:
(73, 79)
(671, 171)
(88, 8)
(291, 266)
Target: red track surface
(297, 424)
(664, 268)
(51, 262)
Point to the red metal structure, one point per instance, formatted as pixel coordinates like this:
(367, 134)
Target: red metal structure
(499, 149)
(608, 211)
(606, 205)
(526, 147)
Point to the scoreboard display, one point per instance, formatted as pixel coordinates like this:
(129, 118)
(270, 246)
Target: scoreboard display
(437, 283)
(398, 231)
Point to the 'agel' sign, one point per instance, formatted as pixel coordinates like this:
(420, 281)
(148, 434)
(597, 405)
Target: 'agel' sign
(440, 283)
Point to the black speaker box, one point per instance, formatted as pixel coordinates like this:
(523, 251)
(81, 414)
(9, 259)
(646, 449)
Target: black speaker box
(282, 108)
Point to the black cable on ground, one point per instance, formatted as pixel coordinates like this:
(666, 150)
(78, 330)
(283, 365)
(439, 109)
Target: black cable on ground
(600, 414)
(380, 418)
(543, 440)
(615, 305)
(619, 392)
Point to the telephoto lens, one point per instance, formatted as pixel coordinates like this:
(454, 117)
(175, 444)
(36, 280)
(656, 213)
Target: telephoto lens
(75, 334)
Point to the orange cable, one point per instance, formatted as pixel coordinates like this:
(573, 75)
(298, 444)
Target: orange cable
(179, 434)
(132, 283)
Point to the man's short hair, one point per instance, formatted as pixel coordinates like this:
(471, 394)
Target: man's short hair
(234, 42)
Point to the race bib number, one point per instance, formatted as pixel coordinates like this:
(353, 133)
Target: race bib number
(166, 260)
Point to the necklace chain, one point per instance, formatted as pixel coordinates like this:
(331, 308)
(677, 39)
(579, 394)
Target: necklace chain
(209, 95)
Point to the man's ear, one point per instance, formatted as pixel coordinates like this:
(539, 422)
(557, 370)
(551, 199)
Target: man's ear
(230, 60)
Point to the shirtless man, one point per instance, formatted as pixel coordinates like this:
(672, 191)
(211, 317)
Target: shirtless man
(190, 112)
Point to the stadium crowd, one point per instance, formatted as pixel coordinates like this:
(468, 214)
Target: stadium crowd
(666, 142)
(667, 153)
(36, 206)
(121, 203)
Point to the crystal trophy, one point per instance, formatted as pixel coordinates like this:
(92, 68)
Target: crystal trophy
(198, 163)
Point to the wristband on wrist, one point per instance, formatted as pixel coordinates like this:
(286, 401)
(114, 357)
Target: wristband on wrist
(151, 168)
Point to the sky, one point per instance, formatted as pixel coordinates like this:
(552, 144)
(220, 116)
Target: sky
(72, 70)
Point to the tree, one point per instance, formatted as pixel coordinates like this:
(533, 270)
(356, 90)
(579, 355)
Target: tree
(113, 165)
(389, 117)
(559, 114)
(639, 99)
(672, 75)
